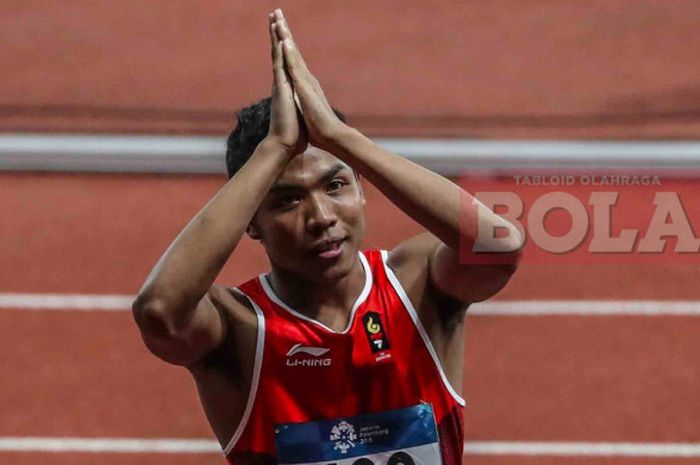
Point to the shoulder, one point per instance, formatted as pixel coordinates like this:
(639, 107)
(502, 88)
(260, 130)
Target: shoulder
(408, 257)
(410, 262)
(231, 301)
(413, 253)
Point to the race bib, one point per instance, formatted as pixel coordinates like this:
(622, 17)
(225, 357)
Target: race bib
(406, 436)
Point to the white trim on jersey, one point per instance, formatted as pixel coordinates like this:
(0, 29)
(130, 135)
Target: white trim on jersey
(419, 326)
(360, 299)
(257, 367)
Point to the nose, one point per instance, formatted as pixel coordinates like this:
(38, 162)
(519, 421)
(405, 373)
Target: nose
(320, 214)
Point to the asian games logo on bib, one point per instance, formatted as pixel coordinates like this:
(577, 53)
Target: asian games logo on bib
(344, 437)
(405, 436)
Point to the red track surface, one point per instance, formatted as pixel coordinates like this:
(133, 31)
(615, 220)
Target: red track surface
(497, 69)
(502, 68)
(87, 374)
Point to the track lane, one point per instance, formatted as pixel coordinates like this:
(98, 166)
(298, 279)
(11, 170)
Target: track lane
(102, 233)
(88, 374)
(596, 379)
(527, 378)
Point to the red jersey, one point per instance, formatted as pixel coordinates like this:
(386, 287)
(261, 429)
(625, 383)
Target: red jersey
(304, 372)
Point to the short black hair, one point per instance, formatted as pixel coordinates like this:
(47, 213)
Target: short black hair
(252, 127)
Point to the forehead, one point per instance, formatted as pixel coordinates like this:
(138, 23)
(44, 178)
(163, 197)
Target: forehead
(307, 167)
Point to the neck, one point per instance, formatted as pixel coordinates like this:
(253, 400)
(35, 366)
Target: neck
(315, 299)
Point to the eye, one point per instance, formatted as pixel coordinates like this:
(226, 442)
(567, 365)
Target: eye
(287, 201)
(335, 185)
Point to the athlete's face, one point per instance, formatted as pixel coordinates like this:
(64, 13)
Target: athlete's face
(315, 200)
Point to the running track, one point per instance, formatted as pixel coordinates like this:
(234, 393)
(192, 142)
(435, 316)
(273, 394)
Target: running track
(556, 378)
(506, 69)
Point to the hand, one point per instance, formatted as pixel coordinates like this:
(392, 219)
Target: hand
(286, 123)
(321, 122)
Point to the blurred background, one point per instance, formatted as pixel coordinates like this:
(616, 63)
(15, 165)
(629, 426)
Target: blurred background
(113, 117)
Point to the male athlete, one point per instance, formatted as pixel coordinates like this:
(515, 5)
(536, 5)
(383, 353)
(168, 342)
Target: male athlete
(337, 355)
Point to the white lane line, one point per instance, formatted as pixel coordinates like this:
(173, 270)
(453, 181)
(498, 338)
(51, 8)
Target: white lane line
(85, 302)
(206, 446)
(588, 307)
(102, 445)
(589, 449)
(97, 302)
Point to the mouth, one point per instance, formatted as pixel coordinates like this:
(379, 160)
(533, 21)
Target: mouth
(329, 249)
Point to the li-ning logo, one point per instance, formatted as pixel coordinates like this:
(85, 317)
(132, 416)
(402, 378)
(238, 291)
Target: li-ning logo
(312, 356)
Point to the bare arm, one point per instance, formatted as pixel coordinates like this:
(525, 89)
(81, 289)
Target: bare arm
(430, 199)
(440, 206)
(178, 309)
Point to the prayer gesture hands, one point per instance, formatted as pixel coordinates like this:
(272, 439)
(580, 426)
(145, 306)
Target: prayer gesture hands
(286, 124)
(294, 83)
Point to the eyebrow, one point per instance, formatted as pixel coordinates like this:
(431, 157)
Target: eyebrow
(285, 186)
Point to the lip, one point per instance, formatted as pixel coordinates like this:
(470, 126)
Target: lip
(322, 251)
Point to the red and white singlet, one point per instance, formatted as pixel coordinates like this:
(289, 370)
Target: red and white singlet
(381, 364)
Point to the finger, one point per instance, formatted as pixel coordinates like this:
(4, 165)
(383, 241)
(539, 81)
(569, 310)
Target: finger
(295, 63)
(273, 40)
(277, 53)
(297, 102)
(286, 35)
(302, 86)
(285, 71)
(281, 31)
(285, 25)
(306, 87)
(270, 28)
(281, 77)
(279, 17)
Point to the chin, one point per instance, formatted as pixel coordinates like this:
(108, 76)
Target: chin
(340, 269)
(333, 274)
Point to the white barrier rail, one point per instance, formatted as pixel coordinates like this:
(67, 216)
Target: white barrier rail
(205, 154)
